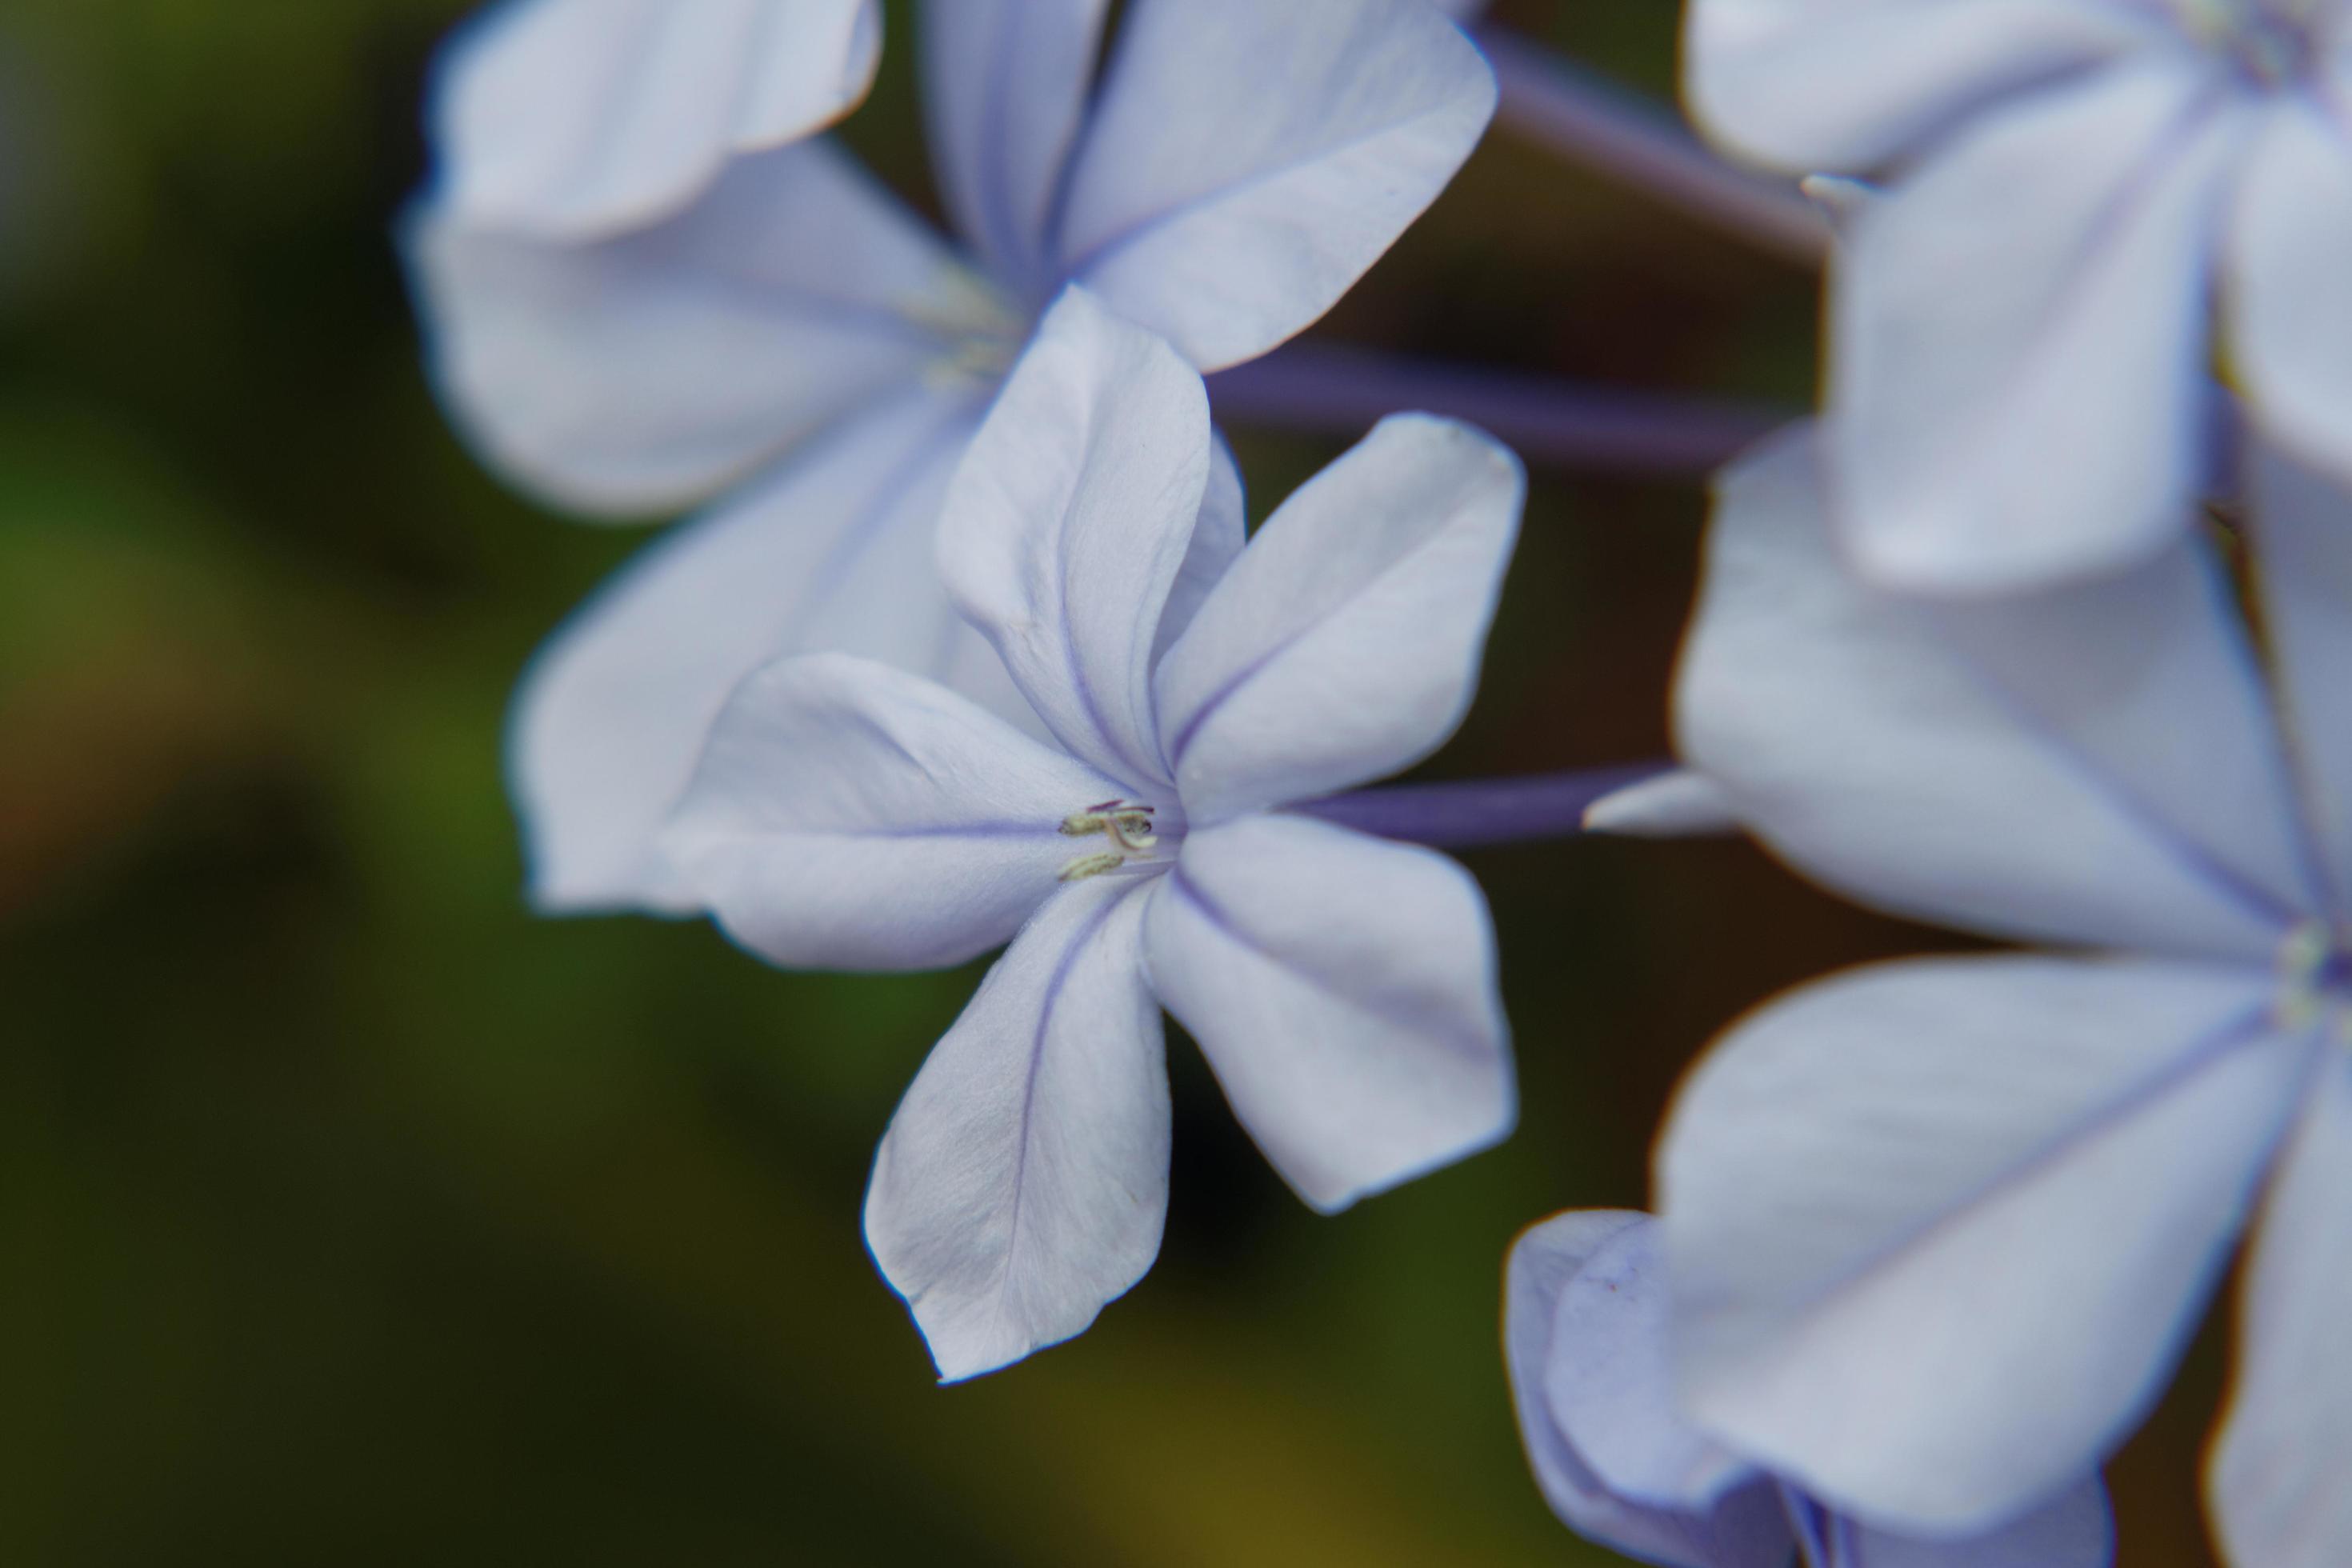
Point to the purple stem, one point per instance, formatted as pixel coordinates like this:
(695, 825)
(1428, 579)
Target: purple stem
(1624, 135)
(1470, 812)
(1330, 389)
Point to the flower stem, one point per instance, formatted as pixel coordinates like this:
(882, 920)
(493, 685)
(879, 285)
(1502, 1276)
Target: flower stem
(1330, 389)
(1620, 134)
(1469, 813)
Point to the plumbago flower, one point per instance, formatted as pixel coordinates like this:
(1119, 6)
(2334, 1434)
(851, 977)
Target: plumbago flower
(2021, 343)
(1939, 1229)
(853, 815)
(792, 339)
(1585, 1335)
(577, 119)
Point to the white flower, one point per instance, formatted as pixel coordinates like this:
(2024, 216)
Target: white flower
(795, 339)
(1939, 1229)
(1585, 1333)
(851, 815)
(2021, 343)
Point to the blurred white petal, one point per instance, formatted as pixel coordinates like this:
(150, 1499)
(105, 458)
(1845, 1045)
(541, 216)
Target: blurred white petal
(2289, 299)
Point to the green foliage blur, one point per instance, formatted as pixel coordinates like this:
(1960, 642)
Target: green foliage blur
(349, 1214)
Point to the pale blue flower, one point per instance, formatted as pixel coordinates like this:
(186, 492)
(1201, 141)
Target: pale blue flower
(794, 340)
(1939, 1229)
(1585, 1333)
(850, 815)
(2021, 345)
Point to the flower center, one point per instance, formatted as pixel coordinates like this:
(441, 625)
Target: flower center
(983, 330)
(2271, 42)
(1127, 827)
(2314, 971)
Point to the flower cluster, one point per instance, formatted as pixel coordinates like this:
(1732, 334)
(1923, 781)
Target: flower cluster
(2040, 630)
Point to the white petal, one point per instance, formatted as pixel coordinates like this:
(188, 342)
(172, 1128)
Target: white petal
(1070, 523)
(1217, 541)
(2078, 1531)
(1745, 1529)
(2281, 1475)
(1682, 802)
(832, 554)
(1343, 989)
(1612, 1381)
(1249, 161)
(566, 119)
(1849, 84)
(652, 370)
(2092, 764)
(1025, 1179)
(1939, 1229)
(2019, 339)
(1004, 86)
(2302, 528)
(846, 814)
(2290, 293)
(1344, 645)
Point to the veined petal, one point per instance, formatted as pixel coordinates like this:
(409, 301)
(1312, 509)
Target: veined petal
(1939, 1229)
(652, 370)
(1246, 163)
(2302, 528)
(2077, 1530)
(569, 118)
(846, 814)
(1070, 521)
(1024, 1181)
(2289, 299)
(1218, 538)
(2092, 764)
(1004, 86)
(2018, 385)
(1849, 85)
(1612, 1381)
(2281, 1481)
(1343, 989)
(832, 554)
(1745, 1529)
(1344, 644)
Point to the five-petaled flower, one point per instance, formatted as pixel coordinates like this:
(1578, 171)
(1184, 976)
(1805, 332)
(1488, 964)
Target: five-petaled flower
(1585, 1333)
(1939, 1229)
(788, 336)
(2020, 347)
(848, 814)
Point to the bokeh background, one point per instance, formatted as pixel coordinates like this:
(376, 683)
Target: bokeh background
(350, 1214)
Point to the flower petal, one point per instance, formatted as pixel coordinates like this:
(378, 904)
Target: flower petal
(2281, 1480)
(831, 555)
(2289, 294)
(2092, 764)
(1344, 644)
(1745, 1529)
(1343, 989)
(1218, 538)
(1004, 86)
(1070, 523)
(1939, 1229)
(1023, 1182)
(2302, 528)
(567, 119)
(846, 814)
(1848, 85)
(1679, 803)
(1247, 162)
(2018, 383)
(652, 370)
(2077, 1530)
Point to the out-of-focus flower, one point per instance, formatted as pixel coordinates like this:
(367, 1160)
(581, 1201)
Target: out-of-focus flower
(847, 814)
(1585, 1333)
(579, 119)
(1939, 1229)
(2020, 339)
(795, 338)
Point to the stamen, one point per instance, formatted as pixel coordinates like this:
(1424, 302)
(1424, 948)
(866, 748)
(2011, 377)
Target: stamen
(1085, 866)
(1128, 826)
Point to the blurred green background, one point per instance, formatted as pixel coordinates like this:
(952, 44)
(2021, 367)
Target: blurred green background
(350, 1214)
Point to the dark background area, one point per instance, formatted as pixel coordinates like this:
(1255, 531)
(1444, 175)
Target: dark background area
(350, 1214)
